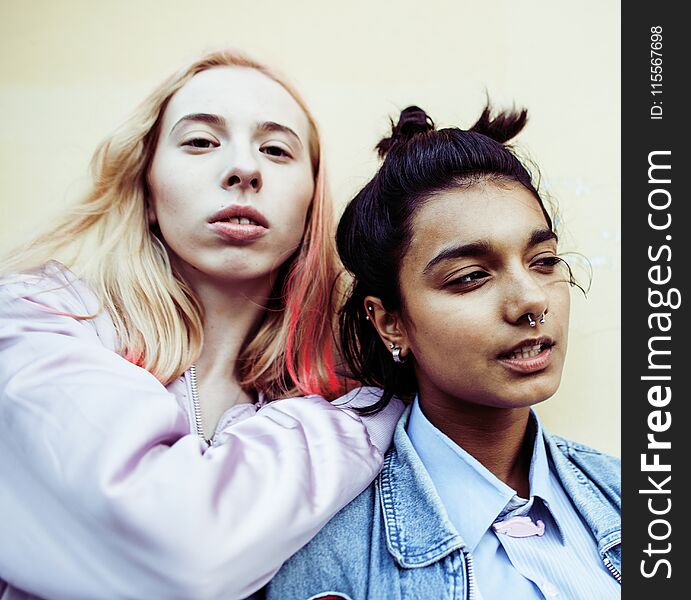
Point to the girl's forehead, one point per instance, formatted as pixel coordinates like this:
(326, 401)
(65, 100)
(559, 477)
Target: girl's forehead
(483, 208)
(504, 216)
(237, 93)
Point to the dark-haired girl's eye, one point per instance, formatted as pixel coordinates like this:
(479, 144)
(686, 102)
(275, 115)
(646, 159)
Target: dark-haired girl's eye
(546, 264)
(468, 281)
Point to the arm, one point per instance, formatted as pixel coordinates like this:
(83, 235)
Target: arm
(106, 494)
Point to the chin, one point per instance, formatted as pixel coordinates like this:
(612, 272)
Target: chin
(529, 393)
(238, 270)
(540, 394)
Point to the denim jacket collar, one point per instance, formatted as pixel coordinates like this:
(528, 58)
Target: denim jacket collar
(599, 508)
(406, 492)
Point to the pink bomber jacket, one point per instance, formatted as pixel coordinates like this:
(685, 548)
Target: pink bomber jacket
(106, 491)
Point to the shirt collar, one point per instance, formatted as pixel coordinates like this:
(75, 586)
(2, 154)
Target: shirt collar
(472, 495)
(539, 476)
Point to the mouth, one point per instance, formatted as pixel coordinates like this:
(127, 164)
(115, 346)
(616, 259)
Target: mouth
(528, 348)
(239, 223)
(238, 214)
(529, 355)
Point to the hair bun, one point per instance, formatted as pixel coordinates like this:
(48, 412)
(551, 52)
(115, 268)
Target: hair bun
(503, 127)
(412, 121)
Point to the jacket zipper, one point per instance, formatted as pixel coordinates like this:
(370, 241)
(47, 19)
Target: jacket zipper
(196, 405)
(470, 569)
(608, 563)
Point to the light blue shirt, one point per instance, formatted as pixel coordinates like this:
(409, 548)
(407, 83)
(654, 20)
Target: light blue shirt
(564, 563)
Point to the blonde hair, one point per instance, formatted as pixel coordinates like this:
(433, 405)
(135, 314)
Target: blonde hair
(106, 239)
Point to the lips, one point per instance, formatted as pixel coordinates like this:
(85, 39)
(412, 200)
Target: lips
(529, 356)
(528, 348)
(239, 224)
(238, 214)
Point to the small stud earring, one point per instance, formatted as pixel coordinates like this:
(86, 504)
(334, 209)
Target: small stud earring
(396, 354)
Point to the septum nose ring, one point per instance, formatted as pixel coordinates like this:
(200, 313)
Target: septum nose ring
(532, 322)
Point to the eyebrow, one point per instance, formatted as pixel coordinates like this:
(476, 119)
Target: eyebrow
(483, 247)
(271, 127)
(201, 118)
(217, 120)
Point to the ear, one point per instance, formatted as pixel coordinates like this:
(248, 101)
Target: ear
(388, 324)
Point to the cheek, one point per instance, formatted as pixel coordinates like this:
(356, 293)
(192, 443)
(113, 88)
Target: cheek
(447, 352)
(169, 212)
(170, 182)
(170, 208)
(440, 331)
(165, 211)
(453, 337)
(159, 193)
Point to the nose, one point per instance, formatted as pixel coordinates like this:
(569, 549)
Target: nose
(243, 174)
(526, 300)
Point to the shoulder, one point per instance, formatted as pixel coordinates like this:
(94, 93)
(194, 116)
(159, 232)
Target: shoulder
(336, 560)
(381, 424)
(582, 453)
(53, 299)
(53, 285)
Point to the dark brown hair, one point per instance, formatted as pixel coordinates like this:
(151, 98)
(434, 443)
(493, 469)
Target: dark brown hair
(374, 231)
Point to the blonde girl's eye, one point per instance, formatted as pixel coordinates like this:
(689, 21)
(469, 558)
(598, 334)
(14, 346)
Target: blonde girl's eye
(200, 143)
(276, 151)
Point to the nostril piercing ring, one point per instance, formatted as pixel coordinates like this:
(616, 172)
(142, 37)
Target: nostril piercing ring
(532, 322)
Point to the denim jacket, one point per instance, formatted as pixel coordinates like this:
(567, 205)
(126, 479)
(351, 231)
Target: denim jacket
(395, 541)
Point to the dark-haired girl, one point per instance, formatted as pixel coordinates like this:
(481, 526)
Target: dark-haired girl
(460, 301)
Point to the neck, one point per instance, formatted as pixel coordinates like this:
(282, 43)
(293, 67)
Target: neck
(232, 313)
(496, 437)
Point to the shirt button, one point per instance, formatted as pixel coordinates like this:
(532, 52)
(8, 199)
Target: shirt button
(550, 590)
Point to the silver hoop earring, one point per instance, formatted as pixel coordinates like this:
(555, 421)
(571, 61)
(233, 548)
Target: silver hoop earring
(396, 354)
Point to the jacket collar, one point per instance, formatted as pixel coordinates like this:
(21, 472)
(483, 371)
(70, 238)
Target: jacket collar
(418, 530)
(587, 484)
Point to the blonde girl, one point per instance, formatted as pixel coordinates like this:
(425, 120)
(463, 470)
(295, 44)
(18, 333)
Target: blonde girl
(144, 338)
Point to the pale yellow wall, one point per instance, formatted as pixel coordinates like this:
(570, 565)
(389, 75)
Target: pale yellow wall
(71, 70)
